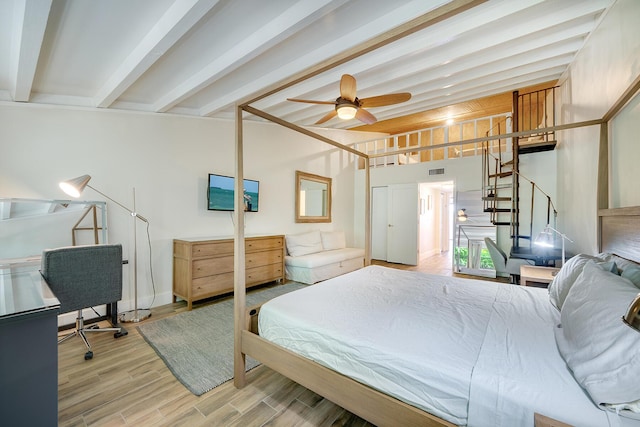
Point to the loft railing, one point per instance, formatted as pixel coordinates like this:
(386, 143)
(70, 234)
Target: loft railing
(536, 110)
(434, 136)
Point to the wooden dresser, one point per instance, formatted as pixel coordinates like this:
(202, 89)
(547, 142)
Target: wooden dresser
(203, 268)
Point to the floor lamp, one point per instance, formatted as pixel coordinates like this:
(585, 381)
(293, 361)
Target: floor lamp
(545, 238)
(74, 187)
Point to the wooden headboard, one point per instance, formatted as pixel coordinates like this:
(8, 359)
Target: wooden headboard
(620, 232)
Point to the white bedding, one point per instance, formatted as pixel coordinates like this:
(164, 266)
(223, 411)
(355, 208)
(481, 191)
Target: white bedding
(468, 351)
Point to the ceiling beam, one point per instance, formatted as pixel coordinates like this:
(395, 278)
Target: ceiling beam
(30, 18)
(298, 15)
(176, 21)
(246, 95)
(404, 53)
(531, 42)
(457, 72)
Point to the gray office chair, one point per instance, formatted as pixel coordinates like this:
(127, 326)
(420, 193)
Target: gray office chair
(505, 266)
(83, 277)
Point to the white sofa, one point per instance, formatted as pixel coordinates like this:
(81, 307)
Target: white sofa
(320, 255)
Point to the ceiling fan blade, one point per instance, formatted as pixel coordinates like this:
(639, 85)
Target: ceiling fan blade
(382, 100)
(330, 115)
(348, 87)
(365, 117)
(309, 101)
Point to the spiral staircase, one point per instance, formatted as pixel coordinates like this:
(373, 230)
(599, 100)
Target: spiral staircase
(501, 178)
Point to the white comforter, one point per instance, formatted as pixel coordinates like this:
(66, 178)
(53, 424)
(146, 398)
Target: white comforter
(468, 351)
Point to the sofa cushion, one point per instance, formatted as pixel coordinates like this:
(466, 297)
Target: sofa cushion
(304, 243)
(323, 258)
(333, 240)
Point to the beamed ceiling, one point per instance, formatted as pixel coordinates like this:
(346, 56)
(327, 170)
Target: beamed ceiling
(203, 57)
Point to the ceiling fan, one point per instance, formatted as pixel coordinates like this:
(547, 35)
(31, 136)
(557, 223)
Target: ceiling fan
(348, 106)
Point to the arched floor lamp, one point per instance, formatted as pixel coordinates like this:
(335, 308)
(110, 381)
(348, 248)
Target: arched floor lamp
(74, 188)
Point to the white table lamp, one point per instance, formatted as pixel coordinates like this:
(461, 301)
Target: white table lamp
(546, 239)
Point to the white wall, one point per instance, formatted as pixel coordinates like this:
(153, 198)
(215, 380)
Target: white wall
(598, 76)
(466, 174)
(167, 159)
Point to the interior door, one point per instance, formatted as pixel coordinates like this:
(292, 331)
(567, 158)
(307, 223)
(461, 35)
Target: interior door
(379, 222)
(402, 228)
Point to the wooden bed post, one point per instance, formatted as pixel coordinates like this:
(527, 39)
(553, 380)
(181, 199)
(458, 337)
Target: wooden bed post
(602, 195)
(239, 288)
(367, 212)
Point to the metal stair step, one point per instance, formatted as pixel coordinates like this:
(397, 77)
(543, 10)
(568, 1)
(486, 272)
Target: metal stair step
(522, 237)
(498, 210)
(501, 174)
(502, 185)
(496, 199)
(504, 223)
(537, 148)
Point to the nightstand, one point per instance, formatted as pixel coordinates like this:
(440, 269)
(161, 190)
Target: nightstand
(537, 274)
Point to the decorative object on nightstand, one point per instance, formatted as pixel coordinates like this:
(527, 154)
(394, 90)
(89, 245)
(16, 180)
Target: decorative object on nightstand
(74, 187)
(545, 238)
(632, 317)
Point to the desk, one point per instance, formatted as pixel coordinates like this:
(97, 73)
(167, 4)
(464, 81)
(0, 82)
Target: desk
(539, 255)
(29, 352)
(530, 273)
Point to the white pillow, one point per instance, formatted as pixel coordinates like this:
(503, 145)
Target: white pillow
(600, 350)
(562, 282)
(621, 263)
(333, 240)
(633, 274)
(303, 244)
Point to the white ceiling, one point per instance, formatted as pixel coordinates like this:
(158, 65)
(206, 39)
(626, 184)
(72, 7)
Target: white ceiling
(201, 57)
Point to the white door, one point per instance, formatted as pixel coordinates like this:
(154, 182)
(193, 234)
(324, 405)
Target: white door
(379, 222)
(402, 229)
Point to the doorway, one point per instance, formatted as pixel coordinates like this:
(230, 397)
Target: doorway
(411, 222)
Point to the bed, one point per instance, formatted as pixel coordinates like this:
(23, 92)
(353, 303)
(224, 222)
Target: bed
(498, 358)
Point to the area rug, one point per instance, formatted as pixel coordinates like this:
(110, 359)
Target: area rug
(197, 346)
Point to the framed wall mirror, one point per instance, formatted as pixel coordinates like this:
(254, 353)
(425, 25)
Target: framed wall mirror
(313, 198)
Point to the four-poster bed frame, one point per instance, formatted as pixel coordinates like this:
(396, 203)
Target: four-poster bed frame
(374, 406)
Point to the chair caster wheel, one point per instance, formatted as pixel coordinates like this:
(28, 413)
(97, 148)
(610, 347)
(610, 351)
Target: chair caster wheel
(88, 355)
(120, 334)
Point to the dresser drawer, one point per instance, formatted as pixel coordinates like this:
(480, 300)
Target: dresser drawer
(212, 285)
(201, 250)
(261, 244)
(210, 266)
(266, 273)
(258, 259)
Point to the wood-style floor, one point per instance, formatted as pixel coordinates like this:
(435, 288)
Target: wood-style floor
(126, 383)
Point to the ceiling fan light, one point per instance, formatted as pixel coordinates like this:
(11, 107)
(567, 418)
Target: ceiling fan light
(346, 112)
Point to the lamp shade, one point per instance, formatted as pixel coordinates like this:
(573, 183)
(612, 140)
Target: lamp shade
(74, 187)
(545, 238)
(632, 317)
(346, 111)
